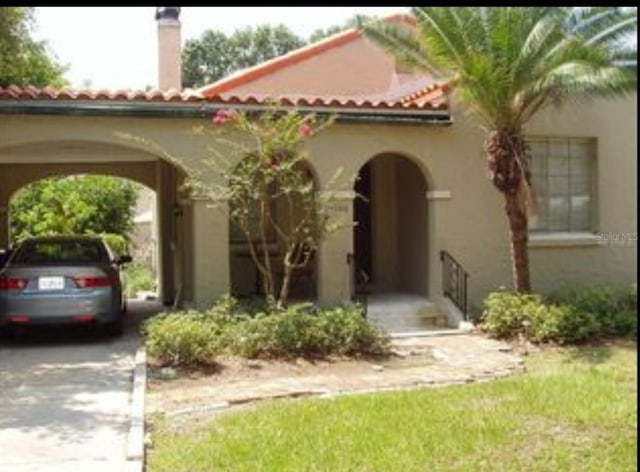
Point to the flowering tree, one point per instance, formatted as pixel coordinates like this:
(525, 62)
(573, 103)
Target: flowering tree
(270, 190)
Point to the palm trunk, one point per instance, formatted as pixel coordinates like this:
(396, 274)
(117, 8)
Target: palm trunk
(518, 232)
(509, 172)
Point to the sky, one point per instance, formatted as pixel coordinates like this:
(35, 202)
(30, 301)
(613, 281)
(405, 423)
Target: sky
(116, 47)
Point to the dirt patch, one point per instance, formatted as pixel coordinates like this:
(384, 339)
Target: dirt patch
(178, 388)
(415, 362)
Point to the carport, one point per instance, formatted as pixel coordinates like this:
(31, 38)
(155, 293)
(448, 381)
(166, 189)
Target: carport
(57, 134)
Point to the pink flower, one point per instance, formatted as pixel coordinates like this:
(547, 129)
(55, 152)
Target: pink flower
(305, 130)
(222, 116)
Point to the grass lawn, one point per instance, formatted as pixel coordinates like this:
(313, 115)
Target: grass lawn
(574, 410)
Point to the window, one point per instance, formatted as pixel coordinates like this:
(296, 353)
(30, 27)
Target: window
(563, 173)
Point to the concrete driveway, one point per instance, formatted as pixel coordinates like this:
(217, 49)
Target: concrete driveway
(65, 398)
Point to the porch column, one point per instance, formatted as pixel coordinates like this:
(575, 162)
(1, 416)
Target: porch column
(4, 224)
(210, 251)
(5, 193)
(333, 269)
(166, 204)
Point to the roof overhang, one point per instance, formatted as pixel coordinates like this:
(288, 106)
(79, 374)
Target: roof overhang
(208, 109)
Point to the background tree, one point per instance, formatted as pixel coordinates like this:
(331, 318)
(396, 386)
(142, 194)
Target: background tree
(87, 204)
(24, 61)
(216, 55)
(507, 64)
(352, 22)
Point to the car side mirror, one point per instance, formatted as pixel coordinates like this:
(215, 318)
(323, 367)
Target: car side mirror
(124, 259)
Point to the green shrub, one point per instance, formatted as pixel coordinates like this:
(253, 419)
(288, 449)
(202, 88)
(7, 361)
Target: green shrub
(614, 307)
(182, 338)
(300, 330)
(506, 312)
(349, 333)
(252, 338)
(117, 242)
(138, 278)
(570, 314)
(564, 324)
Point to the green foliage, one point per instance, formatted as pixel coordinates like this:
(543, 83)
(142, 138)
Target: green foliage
(507, 64)
(87, 204)
(614, 306)
(117, 242)
(139, 278)
(564, 324)
(182, 338)
(216, 55)
(298, 331)
(506, 312)
(355, 21)
(349, 333)
(23, 60)
(572, 410)
(262, 173)
(571, 314)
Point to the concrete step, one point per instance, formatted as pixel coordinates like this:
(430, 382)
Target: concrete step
(400, 313)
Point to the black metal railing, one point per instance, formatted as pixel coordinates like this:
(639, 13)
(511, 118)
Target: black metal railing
(356, 294)
(454, 281)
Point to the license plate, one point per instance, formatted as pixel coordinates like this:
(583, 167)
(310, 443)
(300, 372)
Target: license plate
(50, 283)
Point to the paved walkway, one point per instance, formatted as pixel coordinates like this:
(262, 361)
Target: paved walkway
(420, 362)
(65, 399)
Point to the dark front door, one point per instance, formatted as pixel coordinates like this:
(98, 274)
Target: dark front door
(362, 230)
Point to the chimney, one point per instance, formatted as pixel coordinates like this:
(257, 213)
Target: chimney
(169, 48)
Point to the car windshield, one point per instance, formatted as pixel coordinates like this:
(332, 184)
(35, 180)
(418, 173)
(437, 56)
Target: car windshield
(60, 252)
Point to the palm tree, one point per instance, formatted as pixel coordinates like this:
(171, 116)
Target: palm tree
(507, 64)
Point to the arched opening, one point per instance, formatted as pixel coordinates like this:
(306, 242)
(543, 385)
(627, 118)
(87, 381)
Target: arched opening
(23, 164)
(290, 218)
(120, 210)
(390, 235)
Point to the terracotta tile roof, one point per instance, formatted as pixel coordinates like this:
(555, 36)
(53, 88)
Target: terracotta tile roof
(29, 93)
(49, 93)
(407, 91)
(238, 80)
(265, 68)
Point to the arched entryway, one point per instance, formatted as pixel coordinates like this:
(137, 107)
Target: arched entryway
(390, 235)
(391, 239)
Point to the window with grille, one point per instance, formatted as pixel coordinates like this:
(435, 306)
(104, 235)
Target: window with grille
(563, 173)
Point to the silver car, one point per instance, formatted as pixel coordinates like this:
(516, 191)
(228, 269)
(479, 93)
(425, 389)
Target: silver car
(63, 279)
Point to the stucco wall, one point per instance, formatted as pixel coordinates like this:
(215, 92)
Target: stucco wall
(614, 124)
(465, 213)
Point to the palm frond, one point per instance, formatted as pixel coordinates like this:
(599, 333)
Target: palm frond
(401, 41)
(510, 62)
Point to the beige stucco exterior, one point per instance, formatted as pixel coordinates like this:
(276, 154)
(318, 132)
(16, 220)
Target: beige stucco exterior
(434, 196)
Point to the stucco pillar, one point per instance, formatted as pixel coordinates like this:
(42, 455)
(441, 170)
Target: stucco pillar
(4, 224)
(166, 204)
(5, 193)
(333, 269)
(210, 251)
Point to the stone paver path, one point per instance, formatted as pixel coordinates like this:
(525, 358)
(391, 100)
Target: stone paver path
(425, 361)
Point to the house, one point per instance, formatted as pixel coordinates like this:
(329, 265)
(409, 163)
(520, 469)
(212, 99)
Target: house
(399, 139)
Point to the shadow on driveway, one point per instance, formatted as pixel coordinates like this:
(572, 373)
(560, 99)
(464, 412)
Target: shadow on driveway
(66, 393)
